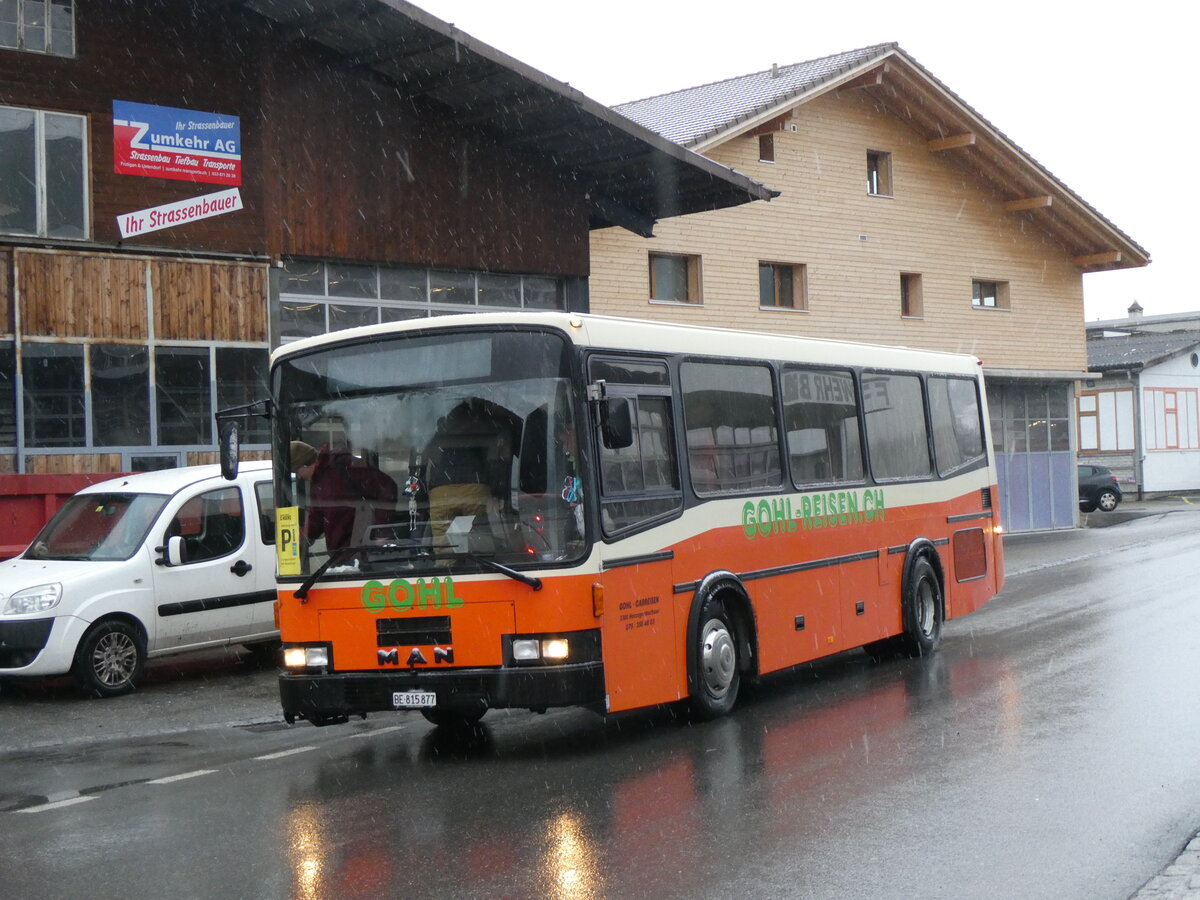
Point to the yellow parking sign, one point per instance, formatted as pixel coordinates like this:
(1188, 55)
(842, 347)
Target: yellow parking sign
(287, 539)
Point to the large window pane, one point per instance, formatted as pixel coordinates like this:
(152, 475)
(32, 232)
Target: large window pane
(304, 277)
(897, 440)
(18, 171)
(352, 281)
(53, 378)
(184, 405)
(65, 185)
(820, 415)
(120, 396)
(732, 439)
(8, 397)
(351, 316)
(242, 379)
(62, 27)
(299, 319)
(452, 287)
(957, 430)
(408, 285)
(499, 290)
(542, 293)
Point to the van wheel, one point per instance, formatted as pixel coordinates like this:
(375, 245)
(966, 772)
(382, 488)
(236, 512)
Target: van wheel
(718, 673)
(110, 659)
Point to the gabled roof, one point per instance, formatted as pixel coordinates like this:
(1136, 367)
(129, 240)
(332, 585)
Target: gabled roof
(632, 176)
(1138, 351)
(705, 116)
(693, 114)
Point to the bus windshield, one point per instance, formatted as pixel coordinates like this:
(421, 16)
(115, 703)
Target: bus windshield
(431, 452)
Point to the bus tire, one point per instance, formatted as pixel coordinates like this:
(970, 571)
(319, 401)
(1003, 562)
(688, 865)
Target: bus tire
(458, 716)
(922, 610)
(110, 658)
(718, 674)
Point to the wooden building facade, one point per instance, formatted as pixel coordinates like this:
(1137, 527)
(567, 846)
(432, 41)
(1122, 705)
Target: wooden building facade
(184, 187)
(904, 218)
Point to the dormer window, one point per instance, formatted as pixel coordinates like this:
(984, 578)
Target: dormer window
(38, 26)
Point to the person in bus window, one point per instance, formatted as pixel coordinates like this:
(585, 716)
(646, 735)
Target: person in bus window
(346, 495)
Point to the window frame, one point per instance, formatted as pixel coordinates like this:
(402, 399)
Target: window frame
(694, 295)
(766, 147)
(930, 473)
(50, 44)
(999, 294)
(780, 471)
(40, 180)
(799, 285)
(912, 295)
(879, 174)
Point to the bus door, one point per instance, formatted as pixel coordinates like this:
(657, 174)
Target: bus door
(639, 494)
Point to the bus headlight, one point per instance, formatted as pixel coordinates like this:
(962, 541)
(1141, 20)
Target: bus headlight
(549, 649)
(305, 657)
(571, 647)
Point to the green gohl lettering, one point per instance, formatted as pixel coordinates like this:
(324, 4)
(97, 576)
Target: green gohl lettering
(402, 595)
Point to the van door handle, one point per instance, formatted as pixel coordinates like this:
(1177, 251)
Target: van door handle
(240, 568)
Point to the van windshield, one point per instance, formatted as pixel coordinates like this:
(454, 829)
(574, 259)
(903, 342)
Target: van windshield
(97, 527)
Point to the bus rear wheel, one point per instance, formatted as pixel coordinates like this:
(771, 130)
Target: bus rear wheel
(718, 675)
(922, 611)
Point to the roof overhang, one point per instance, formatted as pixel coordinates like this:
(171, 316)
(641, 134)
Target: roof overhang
(631, 176)
(957, 133)
(994, 374)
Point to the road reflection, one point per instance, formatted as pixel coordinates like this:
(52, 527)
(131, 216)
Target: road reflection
(571, 806)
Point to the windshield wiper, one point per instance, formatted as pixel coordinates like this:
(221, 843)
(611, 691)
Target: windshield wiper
(337, 556)
(531, 580)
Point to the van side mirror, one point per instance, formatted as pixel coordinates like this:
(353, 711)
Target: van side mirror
(173, 553)
(616, 422)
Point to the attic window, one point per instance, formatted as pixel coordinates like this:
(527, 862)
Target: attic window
(879, 173)
(766, 148)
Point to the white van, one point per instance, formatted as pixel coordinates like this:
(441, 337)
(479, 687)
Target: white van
(142, 566)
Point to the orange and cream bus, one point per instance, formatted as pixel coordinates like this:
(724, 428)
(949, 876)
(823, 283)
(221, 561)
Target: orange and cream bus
(549, 509)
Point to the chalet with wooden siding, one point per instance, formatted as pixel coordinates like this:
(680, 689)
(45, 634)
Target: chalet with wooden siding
(178, 195)
(904, 217)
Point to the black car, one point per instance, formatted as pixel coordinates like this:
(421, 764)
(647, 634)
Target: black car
(1098, 488)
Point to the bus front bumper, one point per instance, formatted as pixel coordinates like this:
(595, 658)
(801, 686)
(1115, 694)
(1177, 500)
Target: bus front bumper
(329, 697)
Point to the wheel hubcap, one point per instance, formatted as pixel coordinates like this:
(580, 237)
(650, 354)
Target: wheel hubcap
(718, 658)
(114, 659)
(926, 607)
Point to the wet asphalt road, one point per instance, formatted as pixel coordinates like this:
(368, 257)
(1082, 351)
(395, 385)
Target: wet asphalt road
(1050, 749)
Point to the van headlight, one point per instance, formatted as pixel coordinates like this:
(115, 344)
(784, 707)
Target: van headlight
(33, 600)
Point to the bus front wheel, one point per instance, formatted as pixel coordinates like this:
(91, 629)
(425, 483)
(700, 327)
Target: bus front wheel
(922, 611)
(715, 688)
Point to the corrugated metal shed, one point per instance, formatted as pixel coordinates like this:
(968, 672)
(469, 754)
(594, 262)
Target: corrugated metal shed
(1139, 351)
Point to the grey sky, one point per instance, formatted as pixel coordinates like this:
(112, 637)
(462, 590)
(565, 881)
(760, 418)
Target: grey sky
(1100, 93)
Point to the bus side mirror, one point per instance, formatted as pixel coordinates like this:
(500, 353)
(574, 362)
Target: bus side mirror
(230, 443)
(616, 423)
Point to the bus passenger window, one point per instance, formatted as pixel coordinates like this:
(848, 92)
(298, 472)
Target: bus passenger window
(733, 443)
(897, 439)
(820, 416)
(957, 430)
